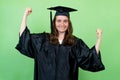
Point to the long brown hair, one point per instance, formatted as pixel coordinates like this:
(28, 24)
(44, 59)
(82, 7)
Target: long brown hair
(68, 39)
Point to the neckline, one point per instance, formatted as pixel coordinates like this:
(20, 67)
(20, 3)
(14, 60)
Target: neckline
(60, 41)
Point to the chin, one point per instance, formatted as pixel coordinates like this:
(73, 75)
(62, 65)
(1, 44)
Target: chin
(62, 31)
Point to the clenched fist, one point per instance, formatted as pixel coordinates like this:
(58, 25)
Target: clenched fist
(99, 33)
(28, 11)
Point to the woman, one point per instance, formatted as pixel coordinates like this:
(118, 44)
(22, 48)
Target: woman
(59, 54)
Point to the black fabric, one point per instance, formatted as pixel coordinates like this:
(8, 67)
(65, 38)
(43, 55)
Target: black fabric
(58, 62)
(62, 10)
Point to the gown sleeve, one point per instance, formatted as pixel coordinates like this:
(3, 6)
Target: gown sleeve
(87, 58)
(25, 45)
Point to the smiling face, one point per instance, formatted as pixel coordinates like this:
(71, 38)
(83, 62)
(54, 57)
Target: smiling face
(61, 23)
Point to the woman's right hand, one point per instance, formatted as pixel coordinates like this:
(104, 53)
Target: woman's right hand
(28, 11)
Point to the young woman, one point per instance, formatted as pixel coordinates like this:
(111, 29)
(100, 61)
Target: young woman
(59, 54)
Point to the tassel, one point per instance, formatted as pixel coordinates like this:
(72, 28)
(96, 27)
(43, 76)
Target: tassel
(51, 21)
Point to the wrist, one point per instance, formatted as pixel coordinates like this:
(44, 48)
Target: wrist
(98, 40)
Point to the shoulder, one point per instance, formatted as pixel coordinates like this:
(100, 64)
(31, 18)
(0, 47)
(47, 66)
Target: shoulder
(78, 42)
(77, 39)
(42, 35)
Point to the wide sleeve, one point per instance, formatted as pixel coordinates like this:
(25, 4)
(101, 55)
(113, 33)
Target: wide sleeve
(25, 45)
(87, 58)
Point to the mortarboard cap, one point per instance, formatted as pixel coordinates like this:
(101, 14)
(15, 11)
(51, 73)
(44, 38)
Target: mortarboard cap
(60, 10)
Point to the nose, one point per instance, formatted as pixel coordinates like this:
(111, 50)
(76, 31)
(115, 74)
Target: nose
(62, 23)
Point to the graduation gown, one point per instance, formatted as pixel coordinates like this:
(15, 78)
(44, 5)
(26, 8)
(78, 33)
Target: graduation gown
(58, 62)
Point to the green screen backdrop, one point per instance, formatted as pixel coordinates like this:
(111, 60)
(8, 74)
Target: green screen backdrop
(91, 14)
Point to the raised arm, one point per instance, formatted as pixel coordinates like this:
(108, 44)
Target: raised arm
(27, 12)
(99, 38)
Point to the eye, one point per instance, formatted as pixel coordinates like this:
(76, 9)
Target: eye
(58, 20)
(66, 21)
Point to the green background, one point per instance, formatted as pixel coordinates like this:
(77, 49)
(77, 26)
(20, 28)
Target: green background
(91, 14)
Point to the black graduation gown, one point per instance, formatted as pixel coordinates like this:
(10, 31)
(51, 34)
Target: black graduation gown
(58, 62)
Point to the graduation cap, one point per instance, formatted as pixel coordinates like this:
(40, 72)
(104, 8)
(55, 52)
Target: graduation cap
(60, 10)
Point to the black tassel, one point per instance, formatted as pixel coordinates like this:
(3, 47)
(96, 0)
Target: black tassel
(51, 21)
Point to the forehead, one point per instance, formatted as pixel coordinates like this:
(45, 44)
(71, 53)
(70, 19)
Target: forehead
(61, 17)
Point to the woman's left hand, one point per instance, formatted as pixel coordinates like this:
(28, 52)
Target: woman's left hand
(99, 33)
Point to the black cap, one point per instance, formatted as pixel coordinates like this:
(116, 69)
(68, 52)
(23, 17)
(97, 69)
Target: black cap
(60, 10)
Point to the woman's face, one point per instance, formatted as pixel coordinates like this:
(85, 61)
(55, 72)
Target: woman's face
(61, 23)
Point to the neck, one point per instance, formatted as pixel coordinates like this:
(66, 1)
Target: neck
(61, 36)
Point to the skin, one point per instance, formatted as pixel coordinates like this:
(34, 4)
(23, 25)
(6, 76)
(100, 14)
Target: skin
(61, 25)
(27, 12)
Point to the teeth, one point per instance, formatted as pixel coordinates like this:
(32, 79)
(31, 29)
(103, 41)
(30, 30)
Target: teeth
(62, 27)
